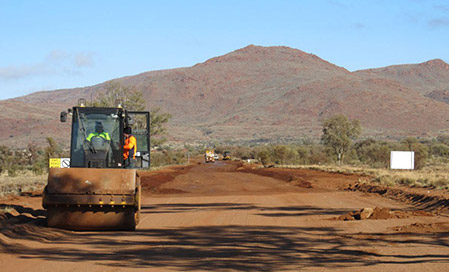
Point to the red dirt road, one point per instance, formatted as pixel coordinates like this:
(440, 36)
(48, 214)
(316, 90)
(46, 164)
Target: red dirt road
(229, 217)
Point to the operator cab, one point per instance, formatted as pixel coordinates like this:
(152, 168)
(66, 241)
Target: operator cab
(97, 137)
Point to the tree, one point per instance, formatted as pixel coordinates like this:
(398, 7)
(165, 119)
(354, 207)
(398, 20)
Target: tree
(338, 134)
(280, 154)
(376, 153)
(440, 150)
(9, 160)
(303, 153)
(130, 97)
(444, 139)
(264, 157)
(157, 129)
(4, 158)
(421, 151)
(364, 148)
(133, 100)
(53, 150)
(317, 155)
(32, 153)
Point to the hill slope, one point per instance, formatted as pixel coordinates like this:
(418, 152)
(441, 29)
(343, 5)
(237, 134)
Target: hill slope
(266, 92)
(423, 77)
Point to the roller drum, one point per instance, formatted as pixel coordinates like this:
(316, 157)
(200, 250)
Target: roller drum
(92, 199)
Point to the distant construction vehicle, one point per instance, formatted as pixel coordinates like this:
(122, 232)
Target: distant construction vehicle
(226, 156)
(209, 156)
(96, 192)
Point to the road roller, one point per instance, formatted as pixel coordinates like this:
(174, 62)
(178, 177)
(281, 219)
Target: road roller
(100, 190)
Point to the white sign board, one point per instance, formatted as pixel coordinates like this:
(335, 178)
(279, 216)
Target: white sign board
(402, 160)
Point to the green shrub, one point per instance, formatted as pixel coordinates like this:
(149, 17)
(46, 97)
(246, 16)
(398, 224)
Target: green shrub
(167, 157)
(318, 155)
(440, 150)
(421, 151)
(264, 157)
(303, 154)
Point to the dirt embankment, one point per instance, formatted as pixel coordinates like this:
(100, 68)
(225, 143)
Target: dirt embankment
(292, 177)
(429, 200)
(152, 181)
(437, 227)
(380, 213)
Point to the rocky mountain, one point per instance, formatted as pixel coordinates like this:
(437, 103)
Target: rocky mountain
(423, 77)
(260, 93)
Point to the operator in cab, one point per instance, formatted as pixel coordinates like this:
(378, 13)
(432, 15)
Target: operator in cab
(99, 132)
(130, 148)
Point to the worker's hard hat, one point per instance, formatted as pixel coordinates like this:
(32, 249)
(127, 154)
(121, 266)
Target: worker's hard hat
(127, 130)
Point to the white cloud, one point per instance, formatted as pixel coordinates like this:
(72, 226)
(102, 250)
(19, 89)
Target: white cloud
(337, 3)
(57, 55)
(18, 72)
(84, 60)
(439, 22)
(443, 8)
(57, 62)
(358, 26)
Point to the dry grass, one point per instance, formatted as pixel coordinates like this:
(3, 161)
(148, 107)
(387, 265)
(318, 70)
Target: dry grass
(23, 182)
(6, 209)
(420, 178)
(26, 181)
(434, 176)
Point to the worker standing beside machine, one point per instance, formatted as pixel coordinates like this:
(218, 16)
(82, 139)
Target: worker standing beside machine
(130, 148)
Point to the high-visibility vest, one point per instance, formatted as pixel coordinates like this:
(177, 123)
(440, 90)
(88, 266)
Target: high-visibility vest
(130, 147)
(103, 135)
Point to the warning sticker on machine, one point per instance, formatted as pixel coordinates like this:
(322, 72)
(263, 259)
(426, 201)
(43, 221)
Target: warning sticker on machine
(59, 163)
(55, 163)
(65, 162)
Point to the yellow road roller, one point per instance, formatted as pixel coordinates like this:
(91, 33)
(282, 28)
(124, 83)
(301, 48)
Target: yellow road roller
(100, 190)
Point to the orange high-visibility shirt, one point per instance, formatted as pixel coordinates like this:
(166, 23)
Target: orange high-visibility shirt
(130, 147)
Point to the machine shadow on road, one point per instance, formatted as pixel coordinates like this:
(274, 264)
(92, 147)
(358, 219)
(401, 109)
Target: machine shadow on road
(22, 215)
(21, 209)
(212, 248)
(262, 211)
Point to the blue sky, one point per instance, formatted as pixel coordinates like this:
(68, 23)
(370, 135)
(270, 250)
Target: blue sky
(47, 45)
